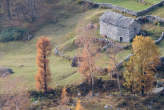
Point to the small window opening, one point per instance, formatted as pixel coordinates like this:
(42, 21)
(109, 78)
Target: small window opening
(121, 39)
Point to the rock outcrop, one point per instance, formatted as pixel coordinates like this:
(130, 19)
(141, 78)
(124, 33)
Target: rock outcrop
(5, 71)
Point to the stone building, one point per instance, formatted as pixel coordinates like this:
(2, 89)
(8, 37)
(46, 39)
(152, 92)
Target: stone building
(118, 27)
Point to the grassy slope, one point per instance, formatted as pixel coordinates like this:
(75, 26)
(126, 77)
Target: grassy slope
(20, 56)
(158, 12)
(16, 54)
(129, 4)
(20, 53)
(156, 30)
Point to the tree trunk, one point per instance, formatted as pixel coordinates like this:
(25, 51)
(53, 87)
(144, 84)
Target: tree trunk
(7, 8)
(92, 84)
(118, 83)
(142, 89)
(45, 75)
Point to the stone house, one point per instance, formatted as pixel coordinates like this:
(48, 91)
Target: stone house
(118, 27)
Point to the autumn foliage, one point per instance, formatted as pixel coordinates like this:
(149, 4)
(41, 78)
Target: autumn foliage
(64, 96)
(87, 65)
(43, 76)
(78, 105)
(87, 62)
(141, 67)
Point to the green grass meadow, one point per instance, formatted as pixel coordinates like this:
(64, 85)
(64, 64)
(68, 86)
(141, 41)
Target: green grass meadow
(21, 56)
(158, 12)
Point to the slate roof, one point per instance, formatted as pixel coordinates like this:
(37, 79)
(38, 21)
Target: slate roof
(116, 19)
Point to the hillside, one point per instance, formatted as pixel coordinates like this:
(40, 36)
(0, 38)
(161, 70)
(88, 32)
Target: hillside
(63, 22)
(15, 54)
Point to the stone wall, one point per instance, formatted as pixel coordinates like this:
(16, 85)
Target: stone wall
(119, 33)
(117, 8)
(141, 18)
(160, 38)
(150, 19)
(114, 32)
(118, 27)
(125, 10)
(111, 6)
(143, 12)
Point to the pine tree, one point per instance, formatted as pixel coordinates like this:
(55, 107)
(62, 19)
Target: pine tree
(43, 76)
(141, 68)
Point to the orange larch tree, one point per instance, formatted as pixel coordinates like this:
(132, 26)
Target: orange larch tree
(64, 96)
(78, 106)
(43, 76)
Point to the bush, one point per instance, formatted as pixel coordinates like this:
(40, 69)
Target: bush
(12, 34)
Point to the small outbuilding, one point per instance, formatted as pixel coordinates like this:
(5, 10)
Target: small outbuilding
(118, 27)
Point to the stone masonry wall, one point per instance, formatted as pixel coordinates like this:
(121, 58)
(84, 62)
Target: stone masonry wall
(150, 19)
(114, 32)
(125, 10)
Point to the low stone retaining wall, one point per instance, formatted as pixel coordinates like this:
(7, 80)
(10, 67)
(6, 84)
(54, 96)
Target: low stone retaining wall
(160, 38)
(60, 54)
(150, 19)
(143, 12)
(117, 8)
(119, 65)
(125, 10)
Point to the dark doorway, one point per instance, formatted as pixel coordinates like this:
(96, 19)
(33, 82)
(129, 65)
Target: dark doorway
(121, 39)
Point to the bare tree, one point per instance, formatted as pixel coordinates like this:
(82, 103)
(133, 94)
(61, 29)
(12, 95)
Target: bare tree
(113, 62)
(87, 65)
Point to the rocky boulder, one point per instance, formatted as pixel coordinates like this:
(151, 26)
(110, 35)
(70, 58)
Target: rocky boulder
(75, 62)
(4, 71)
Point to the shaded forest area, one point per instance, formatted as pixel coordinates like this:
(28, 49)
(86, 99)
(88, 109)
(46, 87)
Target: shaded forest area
(14, 12)
(32, 14)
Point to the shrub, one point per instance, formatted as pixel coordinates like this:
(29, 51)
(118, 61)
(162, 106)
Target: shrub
(12, 34)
